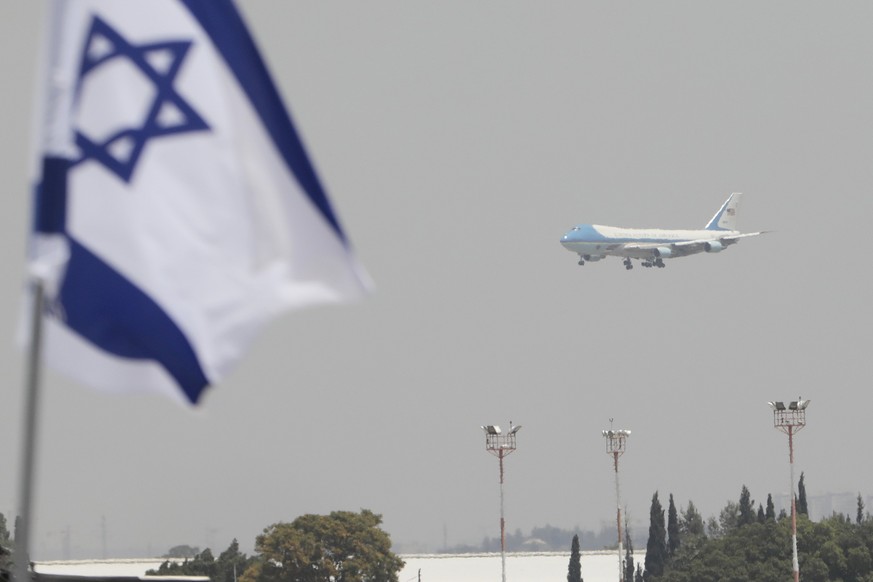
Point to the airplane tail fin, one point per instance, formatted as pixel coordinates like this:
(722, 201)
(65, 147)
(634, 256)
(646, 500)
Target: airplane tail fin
(726, 217)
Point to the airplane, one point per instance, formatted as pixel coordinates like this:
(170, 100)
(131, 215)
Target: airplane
(593, 242)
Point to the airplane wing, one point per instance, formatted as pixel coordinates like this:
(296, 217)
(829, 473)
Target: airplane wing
(684, 248)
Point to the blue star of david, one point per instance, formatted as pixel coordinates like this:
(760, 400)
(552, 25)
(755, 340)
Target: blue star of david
(121, 151)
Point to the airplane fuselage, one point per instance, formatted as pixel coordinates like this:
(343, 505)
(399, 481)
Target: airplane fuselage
(596, 241)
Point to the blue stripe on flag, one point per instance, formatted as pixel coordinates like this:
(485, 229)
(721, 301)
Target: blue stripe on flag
(50, 207)
(118, 317)
(222, 22)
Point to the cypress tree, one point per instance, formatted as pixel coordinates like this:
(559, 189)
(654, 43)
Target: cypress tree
(5, 544)
(762, 517)
(770, 513)
(859, 516)
(656, 547)
(628, 555)
(638, 576)
(673, 536)
(747, 512)
(574, 571)
(802, 506)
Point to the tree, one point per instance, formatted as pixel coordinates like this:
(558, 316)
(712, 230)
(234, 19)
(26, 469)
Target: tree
(5, 544)
(770, 512)
(729, 517)
(574, 570)
(226, 568)
(16, 531)
(746, 508)
(628, 554)
(231, 563)
(182, 551)
(638, 576)
(692, 522)
(341, 547)
(802, 507)
(201, 564)
(656, 547)
(762, 517)
(859, 516)
(673, 539)
(783, 514)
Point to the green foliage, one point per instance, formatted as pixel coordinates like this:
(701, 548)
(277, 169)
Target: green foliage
(341, 547)
(673, 538)
(802, 507)
(745, 508)
(858, 562)
(656, 547)
(832, 555)
(628, 554)
(5, 544)
(783, 514)
(182, 551)
(814, 570)
(691, 524)
(229, 565)
(837, 548)
(758, 551)
(574, 570)
(770, 512)
(201, 564)
(859, 514)
(729, 518)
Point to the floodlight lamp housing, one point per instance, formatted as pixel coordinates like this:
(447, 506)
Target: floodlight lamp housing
(515, 429)
(802, 404)
(491, 429)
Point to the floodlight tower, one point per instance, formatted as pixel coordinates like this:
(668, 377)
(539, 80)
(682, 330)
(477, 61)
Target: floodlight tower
(789, 420)
(501, 445)
(616, 442)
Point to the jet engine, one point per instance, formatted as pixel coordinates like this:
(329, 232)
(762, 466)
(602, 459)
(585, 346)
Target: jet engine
(663, 252)
(713, 246)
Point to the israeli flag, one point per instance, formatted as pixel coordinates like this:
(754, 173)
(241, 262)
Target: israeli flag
(176, 210)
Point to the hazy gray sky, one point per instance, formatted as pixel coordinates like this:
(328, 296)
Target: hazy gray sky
(459, 140)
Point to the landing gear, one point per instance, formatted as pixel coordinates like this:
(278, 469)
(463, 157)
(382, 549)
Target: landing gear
(581, 261)
(628, 265)
(649, 263)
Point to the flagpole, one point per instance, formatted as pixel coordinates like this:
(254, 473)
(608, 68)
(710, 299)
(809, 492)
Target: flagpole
(28, 451)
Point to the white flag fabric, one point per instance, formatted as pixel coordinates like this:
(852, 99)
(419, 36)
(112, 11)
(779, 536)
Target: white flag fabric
(173, 175)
